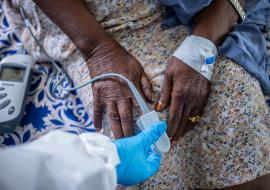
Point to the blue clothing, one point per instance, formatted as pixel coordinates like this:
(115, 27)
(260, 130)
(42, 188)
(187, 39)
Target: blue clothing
(245, 45)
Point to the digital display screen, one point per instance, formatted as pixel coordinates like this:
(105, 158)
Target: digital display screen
(14, 74)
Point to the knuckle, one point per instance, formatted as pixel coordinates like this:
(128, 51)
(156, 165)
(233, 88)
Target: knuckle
(113, 116)
(126, 117)
(97, 85)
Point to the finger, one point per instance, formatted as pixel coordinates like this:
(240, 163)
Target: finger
(126, 116)
(97, 112)
(188, 127)
(175, 114)
(153, 133)
(135, 104)
(184, 120)
(165, 95)
(147, 87)
(114, 119)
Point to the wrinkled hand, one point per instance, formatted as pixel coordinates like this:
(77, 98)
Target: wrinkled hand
(186, 91)
(113, 94)
(138, 162)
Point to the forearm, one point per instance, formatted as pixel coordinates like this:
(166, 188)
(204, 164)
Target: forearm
(75, 20)
(216, 21)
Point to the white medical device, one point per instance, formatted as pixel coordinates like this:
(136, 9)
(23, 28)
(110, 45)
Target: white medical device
(145, 121)
(15, 78)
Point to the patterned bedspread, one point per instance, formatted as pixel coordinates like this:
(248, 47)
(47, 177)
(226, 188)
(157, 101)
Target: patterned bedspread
(43, 112)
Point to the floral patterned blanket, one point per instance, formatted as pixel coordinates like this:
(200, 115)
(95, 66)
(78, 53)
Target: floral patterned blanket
(43, 112)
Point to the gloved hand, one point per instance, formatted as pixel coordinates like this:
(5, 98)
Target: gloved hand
(138, 161)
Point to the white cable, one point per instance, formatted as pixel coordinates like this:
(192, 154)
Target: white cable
(143, 106)
(28, 26)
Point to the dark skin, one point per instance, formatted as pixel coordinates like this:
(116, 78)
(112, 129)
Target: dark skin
(184, 90)
(114, 95)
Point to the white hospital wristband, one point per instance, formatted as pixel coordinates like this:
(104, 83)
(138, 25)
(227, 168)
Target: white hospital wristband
(199, 53)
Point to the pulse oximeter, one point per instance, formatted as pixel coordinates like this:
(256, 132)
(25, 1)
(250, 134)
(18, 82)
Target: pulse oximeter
(15, 77)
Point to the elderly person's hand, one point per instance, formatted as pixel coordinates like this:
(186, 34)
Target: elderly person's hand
(112, 94)
(186, 91)
(103, 55)
(184, 88)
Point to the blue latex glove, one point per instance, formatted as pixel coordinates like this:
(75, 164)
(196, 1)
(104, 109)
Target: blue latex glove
(138, 161)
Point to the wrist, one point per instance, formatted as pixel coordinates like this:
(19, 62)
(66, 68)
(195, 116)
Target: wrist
(88, 43)
(75, 20)
(215, 21)
(212, 35)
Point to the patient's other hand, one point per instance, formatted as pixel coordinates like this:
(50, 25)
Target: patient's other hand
(112, 94)
(186, 91)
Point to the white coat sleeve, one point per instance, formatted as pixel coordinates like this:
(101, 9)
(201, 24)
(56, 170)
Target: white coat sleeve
(60, 161)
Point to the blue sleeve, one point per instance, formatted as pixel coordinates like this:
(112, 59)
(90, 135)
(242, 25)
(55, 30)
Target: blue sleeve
(186, 9)
(246, 44)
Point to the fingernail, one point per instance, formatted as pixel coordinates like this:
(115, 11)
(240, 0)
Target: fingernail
(159, 106)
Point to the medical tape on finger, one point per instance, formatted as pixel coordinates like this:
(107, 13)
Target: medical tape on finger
(199, 53)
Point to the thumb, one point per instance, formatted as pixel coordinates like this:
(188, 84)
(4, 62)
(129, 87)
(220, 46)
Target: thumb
(154, 161)
(153, 133)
